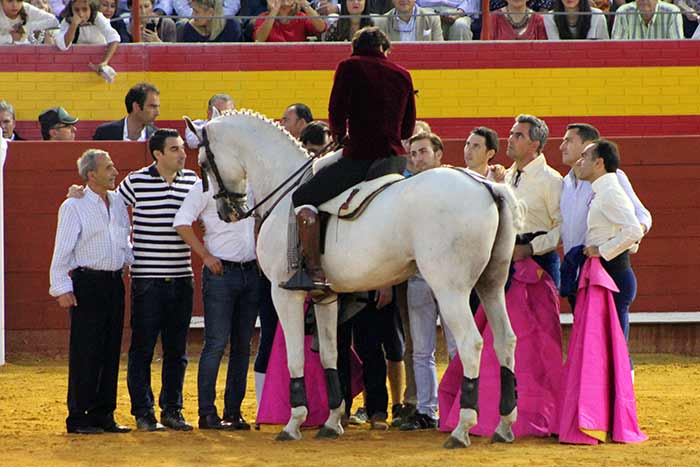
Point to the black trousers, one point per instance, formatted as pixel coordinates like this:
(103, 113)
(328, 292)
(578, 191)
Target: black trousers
(268, 325)
(331, 181)
(96, 325)
(158, 307)
(377, 337)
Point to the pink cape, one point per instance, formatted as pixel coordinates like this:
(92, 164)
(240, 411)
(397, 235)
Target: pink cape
(274, 404)
(598, 393)
(532, 302)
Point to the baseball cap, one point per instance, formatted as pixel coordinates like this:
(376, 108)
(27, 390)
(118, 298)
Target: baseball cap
(53, 116)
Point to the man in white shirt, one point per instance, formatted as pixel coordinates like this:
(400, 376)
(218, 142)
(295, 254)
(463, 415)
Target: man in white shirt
(221, 102)
(92, 248)
(230, 290)
(613, 227)
(539, 186)
(577, 194)
(479, 149)
(143, 107)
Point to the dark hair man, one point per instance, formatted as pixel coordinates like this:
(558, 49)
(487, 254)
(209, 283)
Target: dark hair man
(143, 107)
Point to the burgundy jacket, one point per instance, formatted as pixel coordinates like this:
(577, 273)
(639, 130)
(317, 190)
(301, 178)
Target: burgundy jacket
(373, 101)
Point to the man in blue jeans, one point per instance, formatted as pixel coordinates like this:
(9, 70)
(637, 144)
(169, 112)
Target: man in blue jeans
(161, 281)
(230, 288)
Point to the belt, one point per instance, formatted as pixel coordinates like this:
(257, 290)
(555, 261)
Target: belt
(234, 265)
(618, 263)
(526, 238)
(98, 273)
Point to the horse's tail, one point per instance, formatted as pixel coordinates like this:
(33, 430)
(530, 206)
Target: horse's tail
(517, 208)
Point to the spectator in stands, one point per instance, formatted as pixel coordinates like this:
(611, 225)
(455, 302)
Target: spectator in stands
(109, 9)
(268, 28)
(406, 22)
(345, 28)
(19, 20)
(480, 148)
(84, 24)
(57, 125)
(516, 21)
(648, 19)
(92, 248)
(315, 137)
(8, 122)
(153, 27)
(454, 14)
(184, 9)
(581, 21)
(295, 118)
(208, 26)
(691, 15)
(143, 107)
(221, 102)
(541, 6)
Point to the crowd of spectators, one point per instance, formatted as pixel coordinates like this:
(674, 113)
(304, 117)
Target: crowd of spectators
(108, 22)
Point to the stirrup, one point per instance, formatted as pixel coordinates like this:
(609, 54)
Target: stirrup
(301, 280)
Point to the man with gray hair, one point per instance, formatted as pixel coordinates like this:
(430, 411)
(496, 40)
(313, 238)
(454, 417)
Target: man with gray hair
(219, 102)
(539, 186)
(8, 121)
(92, 247)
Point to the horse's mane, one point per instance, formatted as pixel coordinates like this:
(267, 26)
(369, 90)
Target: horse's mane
(255, 116)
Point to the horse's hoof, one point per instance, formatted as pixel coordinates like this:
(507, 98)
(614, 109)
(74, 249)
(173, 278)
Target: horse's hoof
(285, 436)
(327, 433)
(503, 438)
(454, 443)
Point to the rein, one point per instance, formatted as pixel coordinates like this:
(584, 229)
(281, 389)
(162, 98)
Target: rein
(231, 198)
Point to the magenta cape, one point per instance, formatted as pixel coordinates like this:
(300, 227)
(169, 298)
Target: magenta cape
(274, 405)
(533, 307)
(598, 393)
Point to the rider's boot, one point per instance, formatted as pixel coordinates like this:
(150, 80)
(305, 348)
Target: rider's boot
(311, 277)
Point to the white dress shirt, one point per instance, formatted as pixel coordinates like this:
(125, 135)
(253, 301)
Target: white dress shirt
(191, 137)
(539, 187)
(125, 134)
(37, 20)
(90, 236)
(612, 224)
(99, 33)
(227, 241)
(182, 7)
(576, 196)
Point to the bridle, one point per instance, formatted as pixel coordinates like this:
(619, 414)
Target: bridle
(233, 199)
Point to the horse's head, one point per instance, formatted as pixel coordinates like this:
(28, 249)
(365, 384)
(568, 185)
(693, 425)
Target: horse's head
(226, 174)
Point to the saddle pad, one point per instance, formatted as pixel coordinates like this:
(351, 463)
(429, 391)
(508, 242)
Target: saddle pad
(350, 203)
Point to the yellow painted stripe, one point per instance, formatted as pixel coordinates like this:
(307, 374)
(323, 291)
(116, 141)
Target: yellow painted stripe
(442, 93)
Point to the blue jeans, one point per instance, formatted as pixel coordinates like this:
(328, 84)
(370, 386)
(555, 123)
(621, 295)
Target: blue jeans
(158, 306)
(230, 309)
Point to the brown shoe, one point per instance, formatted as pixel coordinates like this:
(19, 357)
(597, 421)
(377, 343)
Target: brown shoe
(378, 422)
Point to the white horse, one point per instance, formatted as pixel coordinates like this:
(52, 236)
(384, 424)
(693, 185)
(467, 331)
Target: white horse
(442, 222)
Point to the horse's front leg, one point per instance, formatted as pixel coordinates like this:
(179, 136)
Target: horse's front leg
(327, 323)
(290, 306)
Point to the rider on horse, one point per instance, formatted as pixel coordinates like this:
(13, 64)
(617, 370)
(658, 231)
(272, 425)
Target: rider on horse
(371, 109)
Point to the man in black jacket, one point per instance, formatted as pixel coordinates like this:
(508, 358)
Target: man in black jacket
(143, 107)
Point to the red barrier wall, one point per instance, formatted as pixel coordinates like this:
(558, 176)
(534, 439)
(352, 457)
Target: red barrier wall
(664, 171)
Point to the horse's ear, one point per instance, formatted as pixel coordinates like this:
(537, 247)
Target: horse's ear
(193, 128)
(215, 113)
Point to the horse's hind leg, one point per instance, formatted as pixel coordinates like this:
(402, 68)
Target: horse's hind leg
(469, 343)
(493, 298)
(289, 306)
(327, 323)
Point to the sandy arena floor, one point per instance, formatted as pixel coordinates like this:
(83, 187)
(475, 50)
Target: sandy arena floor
(32, 431)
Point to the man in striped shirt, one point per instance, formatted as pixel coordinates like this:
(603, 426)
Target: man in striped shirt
(161, 281)
(648, 19)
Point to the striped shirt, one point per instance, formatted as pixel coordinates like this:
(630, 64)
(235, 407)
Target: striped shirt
(90, 236)
(665, 24)
(158, 249)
